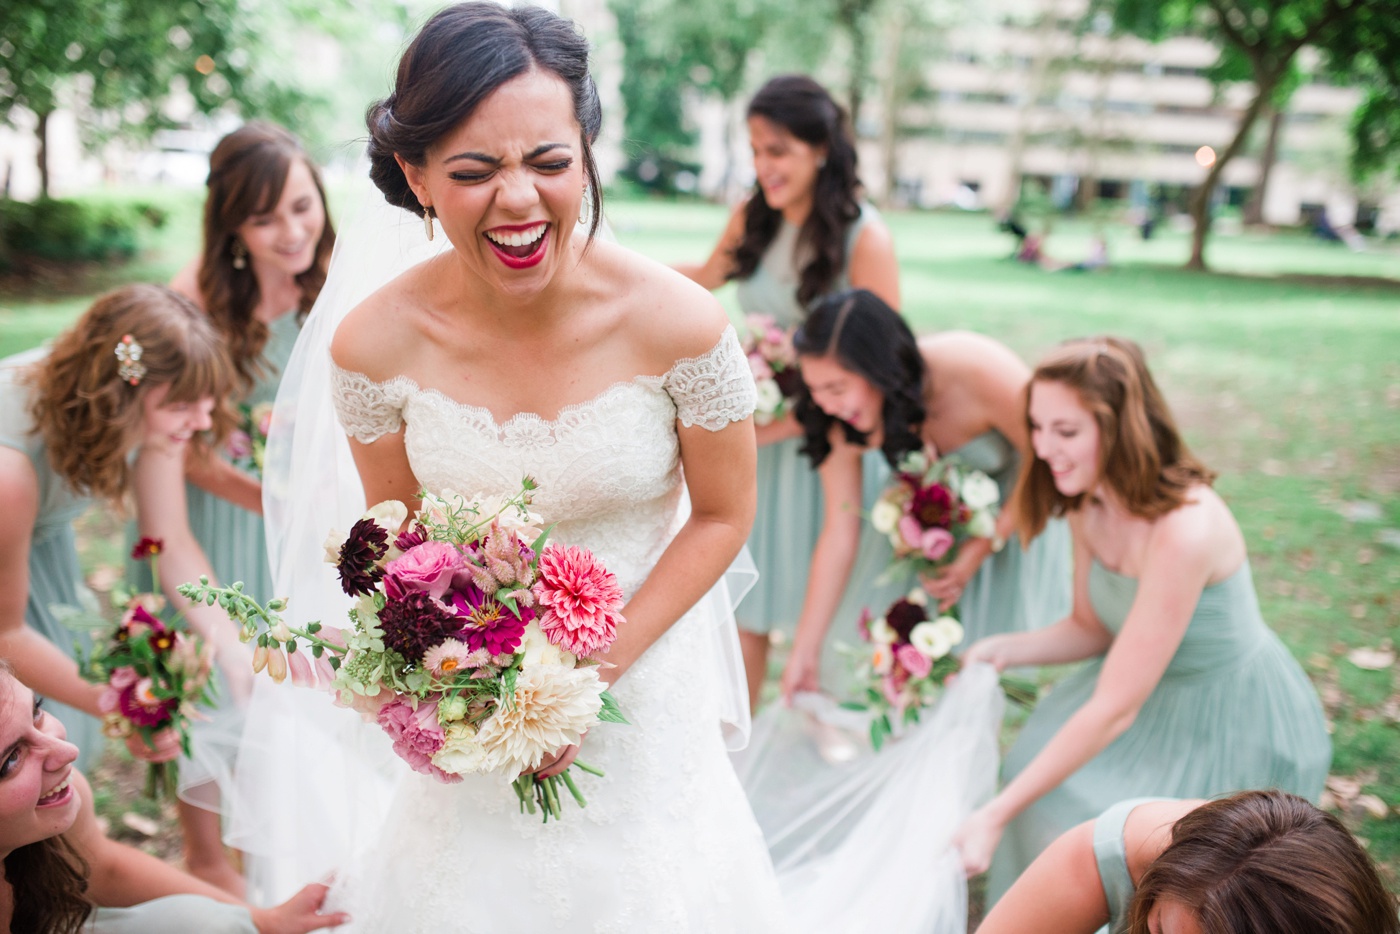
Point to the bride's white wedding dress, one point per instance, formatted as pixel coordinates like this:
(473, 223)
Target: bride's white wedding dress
(667, 842)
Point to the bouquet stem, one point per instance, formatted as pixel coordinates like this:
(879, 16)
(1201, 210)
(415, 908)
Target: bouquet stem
(161, 780)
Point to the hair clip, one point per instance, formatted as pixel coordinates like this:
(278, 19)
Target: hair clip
(129, 365)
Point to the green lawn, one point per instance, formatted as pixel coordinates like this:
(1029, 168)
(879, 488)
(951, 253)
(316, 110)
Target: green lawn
(1283, 367)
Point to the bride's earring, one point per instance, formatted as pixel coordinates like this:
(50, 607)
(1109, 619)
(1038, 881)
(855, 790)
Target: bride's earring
(428, 221)
(585, 211)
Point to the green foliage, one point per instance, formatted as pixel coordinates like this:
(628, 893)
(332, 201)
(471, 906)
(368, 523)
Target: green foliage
(74, 230)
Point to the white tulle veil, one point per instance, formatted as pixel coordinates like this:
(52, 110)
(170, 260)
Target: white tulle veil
(313, 781)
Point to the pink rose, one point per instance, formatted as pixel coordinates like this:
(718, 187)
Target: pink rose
(910, 531)
(915, 662)
(238, 444)
(892, 686)
(934, 543)
(425, 568)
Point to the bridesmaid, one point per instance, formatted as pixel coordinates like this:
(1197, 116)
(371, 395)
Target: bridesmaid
(1186, 692)
(803, 233)
(134, 383)
(1256, 861)
(267, 245)
(871, 389)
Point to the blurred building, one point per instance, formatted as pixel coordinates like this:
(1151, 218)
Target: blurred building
(1050, 107)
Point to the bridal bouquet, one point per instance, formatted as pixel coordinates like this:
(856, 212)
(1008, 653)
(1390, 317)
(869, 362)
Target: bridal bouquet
(156, 672)
(246, 446)
(908, 659)
(930, 507)
(472, 642)
(774, 365)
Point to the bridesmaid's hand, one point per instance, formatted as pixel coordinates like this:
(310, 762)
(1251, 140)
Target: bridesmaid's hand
(165, 745)
(991, 650)
(977, 840)
(298, 914)
(948, 584)
(801, 674)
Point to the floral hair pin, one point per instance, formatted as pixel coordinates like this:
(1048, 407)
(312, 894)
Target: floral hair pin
(129, 365)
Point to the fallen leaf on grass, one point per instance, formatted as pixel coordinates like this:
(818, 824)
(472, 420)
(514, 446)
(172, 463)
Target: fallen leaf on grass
(1372, 659)
(1389, 537)
(1373, 806)
(142, 825)
(1361, 511)
(1344, 790)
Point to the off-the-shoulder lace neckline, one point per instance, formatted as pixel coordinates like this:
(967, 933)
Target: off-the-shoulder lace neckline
(641, 379)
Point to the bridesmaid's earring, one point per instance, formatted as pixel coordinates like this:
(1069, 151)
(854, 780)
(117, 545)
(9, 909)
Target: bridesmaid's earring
(428, 221)
(240, 255)
(585, 211)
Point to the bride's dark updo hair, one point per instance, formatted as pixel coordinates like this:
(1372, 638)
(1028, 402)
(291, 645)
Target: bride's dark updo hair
(869, 338)
(457, 59)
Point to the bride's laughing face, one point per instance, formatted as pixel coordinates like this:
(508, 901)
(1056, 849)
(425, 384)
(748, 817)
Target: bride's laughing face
(507, 183)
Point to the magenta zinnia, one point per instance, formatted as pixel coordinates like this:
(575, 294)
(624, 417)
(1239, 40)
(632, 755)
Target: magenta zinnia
(486, 623)
(580, 600)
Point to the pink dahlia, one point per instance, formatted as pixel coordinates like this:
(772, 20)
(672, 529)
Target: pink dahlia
(580, 600)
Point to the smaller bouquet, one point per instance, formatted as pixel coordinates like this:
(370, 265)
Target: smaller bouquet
(246, 446)
(931, 507)
(157, 674)
(774, 365)
(472, 643)
(909, 658)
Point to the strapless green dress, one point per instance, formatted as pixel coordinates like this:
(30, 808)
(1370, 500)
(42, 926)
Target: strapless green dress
(1233, 711)
(1014, 590)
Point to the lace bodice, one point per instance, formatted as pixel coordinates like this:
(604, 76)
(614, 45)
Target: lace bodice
(608, 469)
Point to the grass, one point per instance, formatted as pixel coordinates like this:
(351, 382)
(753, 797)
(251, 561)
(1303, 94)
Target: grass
(1283, 366)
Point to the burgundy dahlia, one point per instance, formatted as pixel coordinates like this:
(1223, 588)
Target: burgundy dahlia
(359, 556)
(415, 623)
(410, 537)
(903, 616)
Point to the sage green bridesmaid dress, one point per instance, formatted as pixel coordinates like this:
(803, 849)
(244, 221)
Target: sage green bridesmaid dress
(790, 510)
(1233, 711)
(1014, 590)
(55, 574)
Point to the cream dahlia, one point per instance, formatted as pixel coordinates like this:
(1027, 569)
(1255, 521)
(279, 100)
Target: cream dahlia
(552, 707)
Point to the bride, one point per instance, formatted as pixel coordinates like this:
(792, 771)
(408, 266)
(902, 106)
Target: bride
(529, 347)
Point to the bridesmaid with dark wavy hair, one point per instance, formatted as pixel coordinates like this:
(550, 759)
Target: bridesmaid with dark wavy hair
(803, 233)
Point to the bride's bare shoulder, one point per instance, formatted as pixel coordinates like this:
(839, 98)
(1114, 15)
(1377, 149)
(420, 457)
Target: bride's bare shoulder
(376, 335)
(670, 317)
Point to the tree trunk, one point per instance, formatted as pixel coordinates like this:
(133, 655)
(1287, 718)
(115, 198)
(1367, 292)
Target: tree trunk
(893, 98)
(1200, 200)
(1254, 208)
(42, 156)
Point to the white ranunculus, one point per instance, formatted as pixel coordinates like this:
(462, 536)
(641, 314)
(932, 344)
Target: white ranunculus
(884, 516)
(770, 397)
(950, 628)
(881, 632)
(982, 524)
(333, 543)
(918, 597)
(461, 752)
(540, 651)
(979, 490)
(931, 640)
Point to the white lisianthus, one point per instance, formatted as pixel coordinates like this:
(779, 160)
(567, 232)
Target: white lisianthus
(982, 524)
(918, 597)
(462, 753)
(931, 640)
(950, 628)
(884, 516)
(389, 515)
(881, 633)
(979, 491)
(540, 651)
